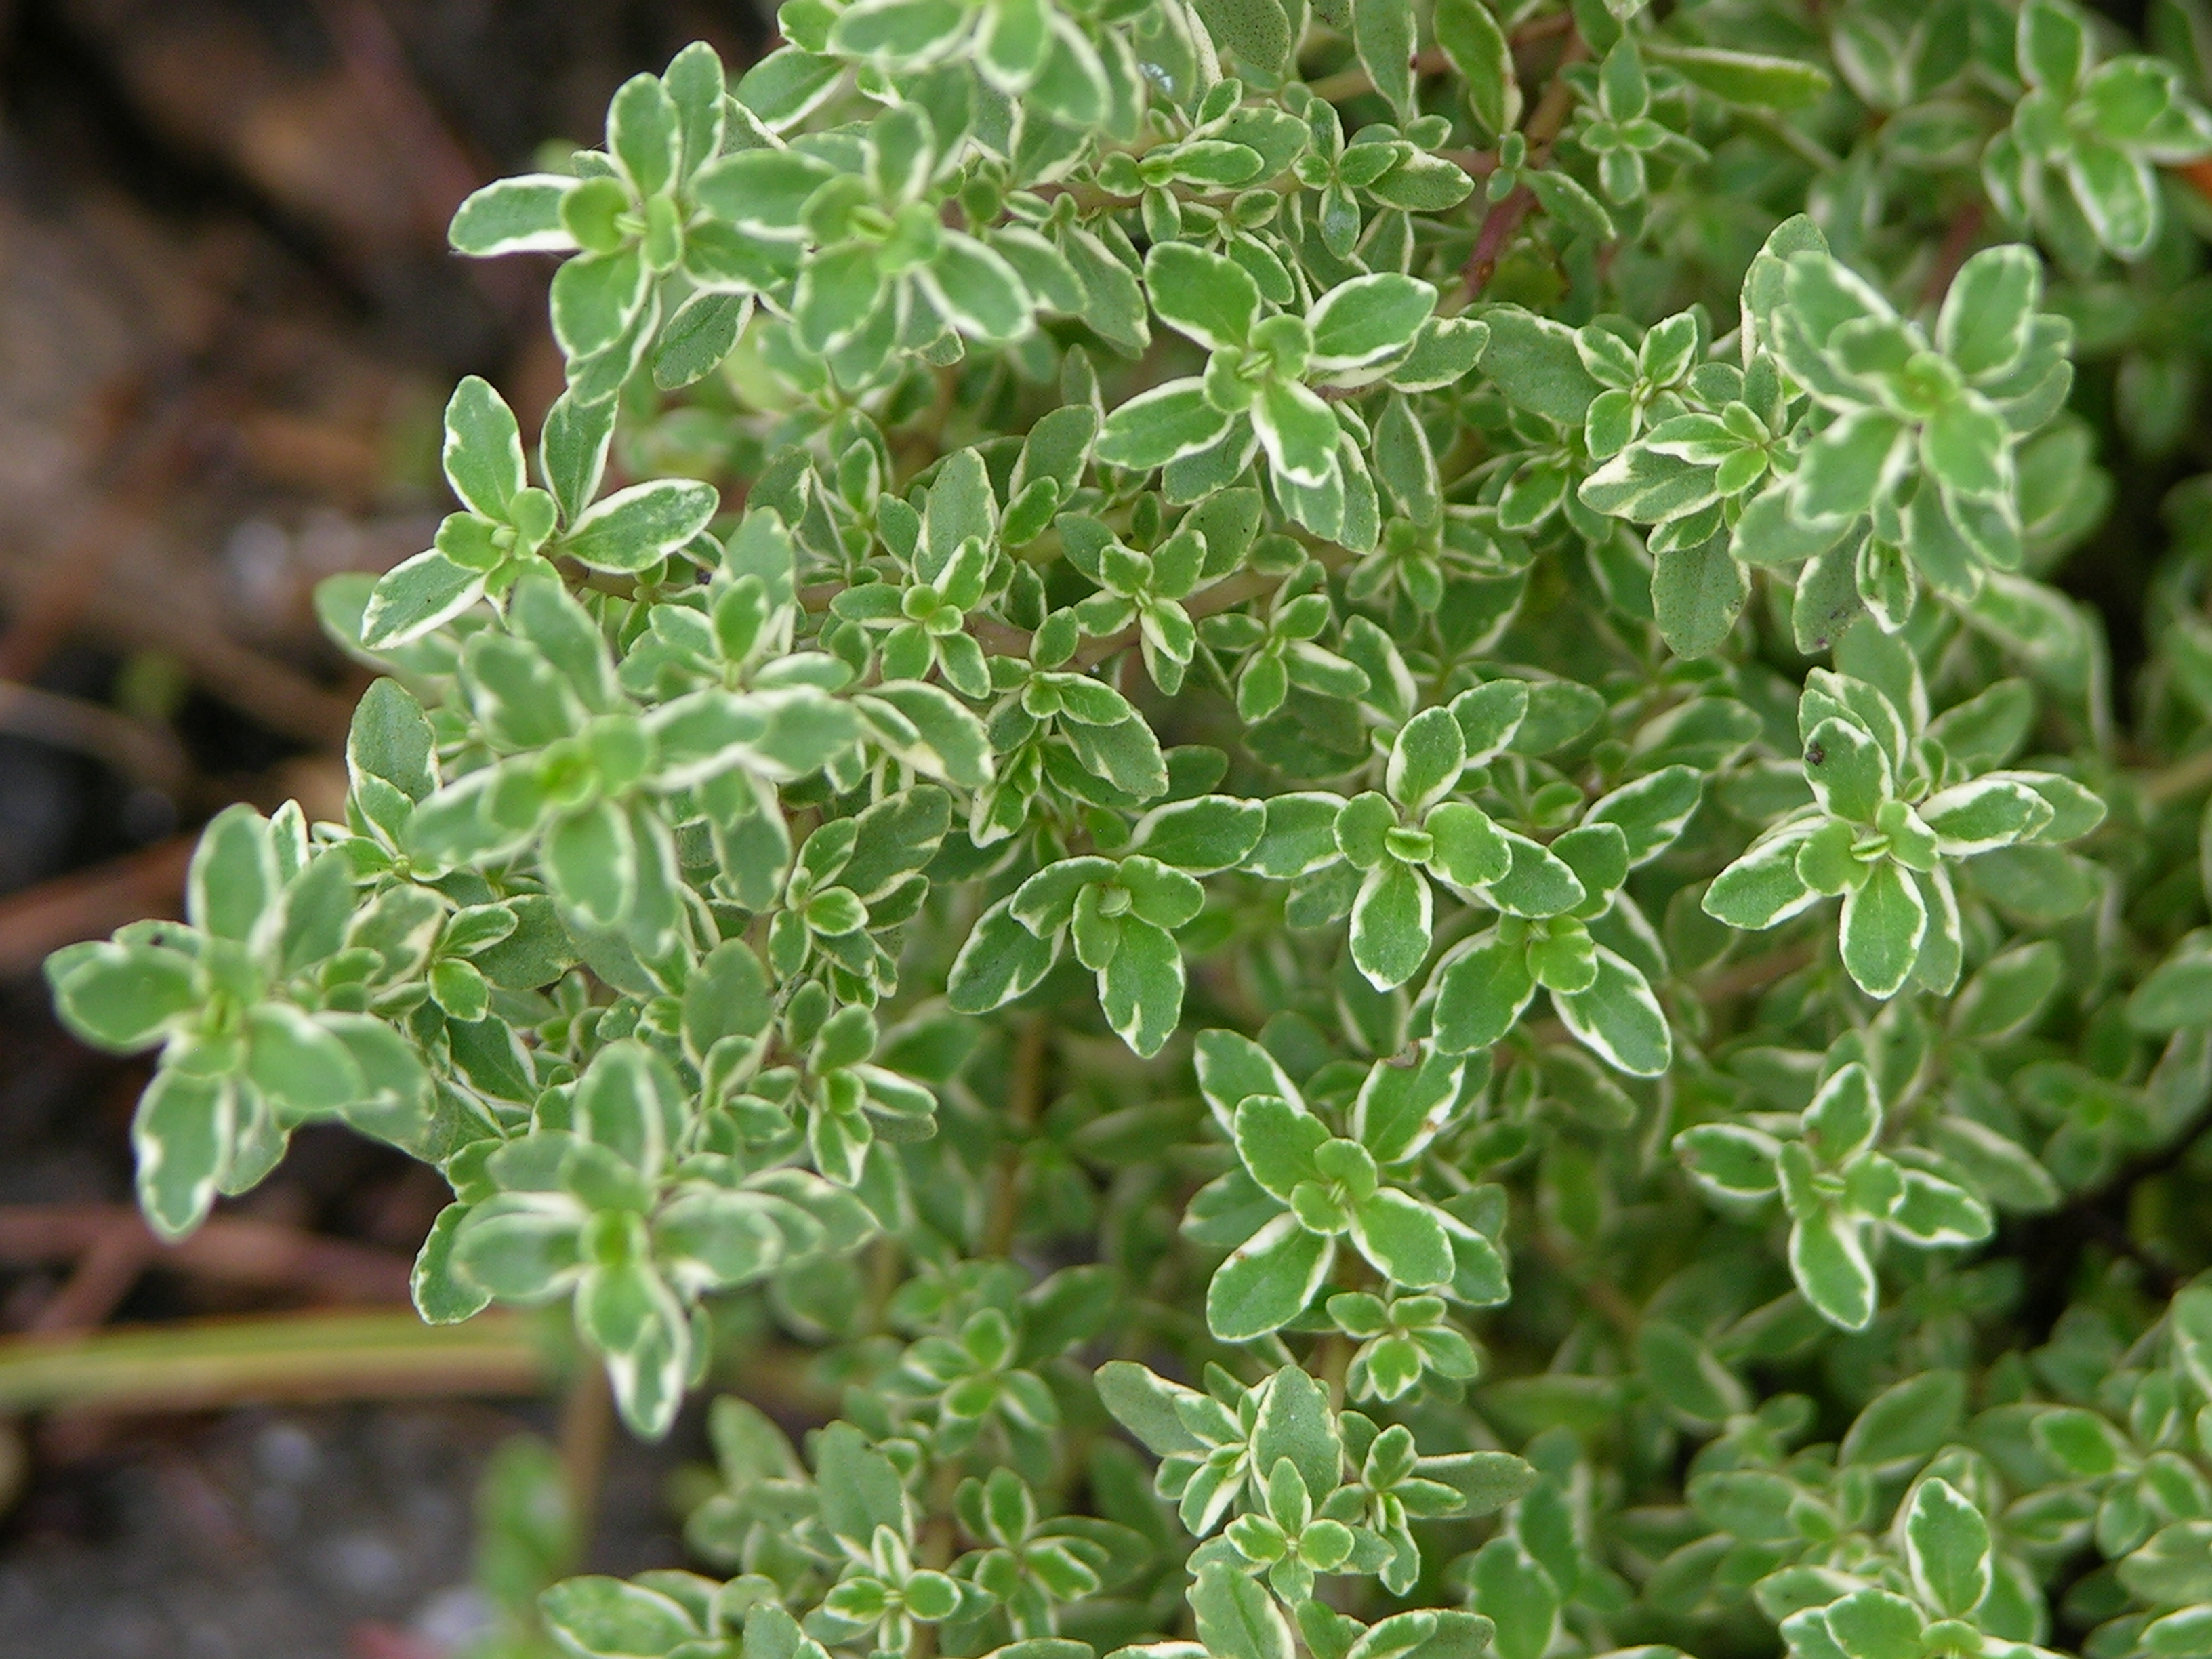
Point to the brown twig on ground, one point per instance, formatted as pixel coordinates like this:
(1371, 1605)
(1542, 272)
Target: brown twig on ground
(92, 903)
(144, 753)
(145, 455)
(273, 693)
(230, 1249)
(103, 1276)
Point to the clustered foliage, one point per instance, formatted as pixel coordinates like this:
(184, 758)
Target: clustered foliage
(1331, 740)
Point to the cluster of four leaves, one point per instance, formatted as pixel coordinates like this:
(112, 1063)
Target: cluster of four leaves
(1389, 847)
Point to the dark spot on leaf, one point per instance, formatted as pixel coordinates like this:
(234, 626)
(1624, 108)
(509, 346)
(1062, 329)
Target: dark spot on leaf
(1815, 756)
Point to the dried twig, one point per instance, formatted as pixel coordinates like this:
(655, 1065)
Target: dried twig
(92, 903)
(230, 1249)
(144, 753)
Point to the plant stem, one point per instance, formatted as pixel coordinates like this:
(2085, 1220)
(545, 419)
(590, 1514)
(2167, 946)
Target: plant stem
(1022, 1100)
(587, 1418)
(1541, 130)
(2184, 777)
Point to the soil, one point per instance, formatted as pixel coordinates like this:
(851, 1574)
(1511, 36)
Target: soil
(228, 320)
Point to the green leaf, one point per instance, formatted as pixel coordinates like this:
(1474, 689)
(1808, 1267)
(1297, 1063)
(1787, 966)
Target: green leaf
(643, 134)
(1160, 425)
(1883, 923)
(1683, 1372)
(1267, 1281)
(630, 1101)
(1469, 850)
(1202, 836)
(860, 1487)
(1369, 318)
(1482, 994)
(1618, 1019)
(1946, 1548)
(1535, 364)
(482, 455)
(1403, 1239)
(596, 298)
(602, 1618)
(1652, 812)
(1470, 37)
(976, 290)
(1860, 456)
(182, 1140)
(763, 191)
(1756, 80)
(1762, 888)
(1425, 759)
(1296, 1426)
(898, 31)
(2083, 1442)
(1697, 594)
(1236, 1618)
(1383, 31)
(1537, 884)
(1276, 1140)
(788, 85)
(1875, 1624)
(933, 733)
(1728, 1159)
(1984, 815)
(123, 997)
(2117, 193)
(1000, 961)
(591, 864)
(1232, 1067)
(1906, 1422)
(2052, 46)
(1517, 1595)
(1141, 989)
(297, 1064)
(231, 887)
(415, 597)
(1209, 298)
(1989, 311)
(639, 526)
(1390, 922)
(1400, 1107)
(1848, 769)
(1844, 1116)
(1146, 1406)
(1297, 431)
(693, 342)
(1829, 1262)
(514, 215)
(1257, 35)
(441, 1296)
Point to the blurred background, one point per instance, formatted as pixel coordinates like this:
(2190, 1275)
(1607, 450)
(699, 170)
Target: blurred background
(228, 321)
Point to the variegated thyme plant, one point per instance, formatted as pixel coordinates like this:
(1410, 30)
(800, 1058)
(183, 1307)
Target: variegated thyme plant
(1306, 783)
